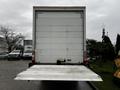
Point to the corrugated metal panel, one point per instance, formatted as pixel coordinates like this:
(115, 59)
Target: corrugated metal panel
(59, 35)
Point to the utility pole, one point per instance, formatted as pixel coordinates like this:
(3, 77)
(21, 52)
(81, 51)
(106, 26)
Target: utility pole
(103, 33)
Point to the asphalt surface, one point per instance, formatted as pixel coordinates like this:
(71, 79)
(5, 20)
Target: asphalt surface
(9, 70)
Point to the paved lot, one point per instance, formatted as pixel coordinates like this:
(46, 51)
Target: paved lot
(9, 69)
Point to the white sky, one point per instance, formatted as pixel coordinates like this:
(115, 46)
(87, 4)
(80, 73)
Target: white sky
(100, 13)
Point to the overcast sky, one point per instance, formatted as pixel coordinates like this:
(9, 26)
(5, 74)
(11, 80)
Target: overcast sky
(100, 13)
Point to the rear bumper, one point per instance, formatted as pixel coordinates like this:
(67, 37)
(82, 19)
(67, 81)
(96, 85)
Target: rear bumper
(27, 57)
(31, 64)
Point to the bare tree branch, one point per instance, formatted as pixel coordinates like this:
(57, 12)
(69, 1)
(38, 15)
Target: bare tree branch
(11, 38)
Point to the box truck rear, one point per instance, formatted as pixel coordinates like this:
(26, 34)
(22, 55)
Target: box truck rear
(59, 44)
(59, 35)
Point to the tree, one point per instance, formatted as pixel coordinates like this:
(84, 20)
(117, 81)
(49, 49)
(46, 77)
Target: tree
(91, 47)
(11, 38)
(117, 46)
(108, 49)
(94, 47)
(104, 48)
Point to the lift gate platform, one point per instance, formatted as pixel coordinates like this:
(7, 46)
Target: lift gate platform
(59, 72)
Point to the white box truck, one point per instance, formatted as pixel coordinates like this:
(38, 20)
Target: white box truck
(59, 44)
(59, 34)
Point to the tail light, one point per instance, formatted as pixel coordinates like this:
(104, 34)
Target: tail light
(85, 61)
(33, 57)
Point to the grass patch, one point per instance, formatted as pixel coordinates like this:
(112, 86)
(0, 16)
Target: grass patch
(105, 70)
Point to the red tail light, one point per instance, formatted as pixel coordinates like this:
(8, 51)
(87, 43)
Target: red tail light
(85, 61)
(33, 57)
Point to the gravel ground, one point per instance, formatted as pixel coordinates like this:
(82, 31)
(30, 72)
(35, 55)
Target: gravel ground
(9, 69)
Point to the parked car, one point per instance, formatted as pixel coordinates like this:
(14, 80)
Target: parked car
(27, 54)
(16, 54)
(3, 55)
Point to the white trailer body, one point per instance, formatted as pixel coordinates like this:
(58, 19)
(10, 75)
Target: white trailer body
(59, 33)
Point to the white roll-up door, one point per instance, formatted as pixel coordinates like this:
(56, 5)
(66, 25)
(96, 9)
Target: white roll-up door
(59, 35)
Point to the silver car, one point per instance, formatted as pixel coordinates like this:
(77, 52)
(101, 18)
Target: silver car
(16, 54)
